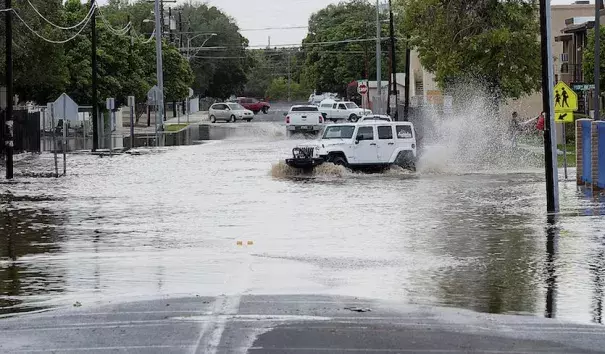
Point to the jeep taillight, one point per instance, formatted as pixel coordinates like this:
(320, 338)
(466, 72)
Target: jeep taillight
(288, 120)
(321, 119)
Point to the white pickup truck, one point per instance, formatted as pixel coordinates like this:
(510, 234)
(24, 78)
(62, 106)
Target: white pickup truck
(335, 111)
(368, 145)
(303, 119)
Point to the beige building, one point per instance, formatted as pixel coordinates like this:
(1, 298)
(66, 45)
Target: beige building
(422, 82)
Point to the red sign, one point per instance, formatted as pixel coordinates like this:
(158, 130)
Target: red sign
(363, 89)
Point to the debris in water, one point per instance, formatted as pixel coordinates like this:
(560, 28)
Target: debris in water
(77, 304)
(358, 309)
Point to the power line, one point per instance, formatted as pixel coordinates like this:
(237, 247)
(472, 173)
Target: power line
(273, 28)
(85, 20)
(120, 32)
(50, 40)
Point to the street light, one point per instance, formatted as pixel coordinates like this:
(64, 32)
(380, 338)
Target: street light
(194, 37)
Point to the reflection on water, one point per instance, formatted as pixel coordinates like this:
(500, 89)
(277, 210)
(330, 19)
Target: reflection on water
(168, 222)
(26, 233)
(552, 237)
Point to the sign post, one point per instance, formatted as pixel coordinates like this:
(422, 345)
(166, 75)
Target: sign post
(131, 104)
(566, 102)
(111, 105)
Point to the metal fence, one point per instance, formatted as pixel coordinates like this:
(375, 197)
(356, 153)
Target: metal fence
(26, 131)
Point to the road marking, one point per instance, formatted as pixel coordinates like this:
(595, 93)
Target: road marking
(84, 349)
(224, 305)
(377, 350)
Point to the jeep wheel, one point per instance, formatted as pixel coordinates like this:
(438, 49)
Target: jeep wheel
(248, 120)
(212, 119)
(339, 161)
(255, 112)
(353, 118)
(265, 110)
(232, 120)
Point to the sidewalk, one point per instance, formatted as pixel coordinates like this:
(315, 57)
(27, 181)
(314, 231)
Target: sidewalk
(141, 128)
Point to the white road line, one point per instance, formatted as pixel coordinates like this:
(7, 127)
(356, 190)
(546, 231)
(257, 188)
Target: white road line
(377, 350)
(89, 349)
(229, 305)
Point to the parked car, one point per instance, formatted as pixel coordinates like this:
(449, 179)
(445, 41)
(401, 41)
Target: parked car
(371, 145)
(303, 118)
(229, 112)
(335, 111)
(375, 117)
(254, 105)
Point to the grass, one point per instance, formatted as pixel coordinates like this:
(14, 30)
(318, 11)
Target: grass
(176, 127)
(571, 155)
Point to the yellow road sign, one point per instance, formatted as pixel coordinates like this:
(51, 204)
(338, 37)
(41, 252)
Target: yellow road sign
(566, 99)
(564, 117)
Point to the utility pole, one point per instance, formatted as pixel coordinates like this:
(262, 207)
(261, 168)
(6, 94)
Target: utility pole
(95, 98)
(170, 25)
(378, 107)
(552, 183)
(159, 69)
(289, 78)
(597, 54)
(181, 46)
(390, 78)
(394, 61)
(406, 103)
(9, 90)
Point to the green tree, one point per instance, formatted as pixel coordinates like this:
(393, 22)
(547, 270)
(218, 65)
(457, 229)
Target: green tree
(39, 73)
(278, 90)
(588, 58)
(492, 41)
(221, 69)
(330, 67)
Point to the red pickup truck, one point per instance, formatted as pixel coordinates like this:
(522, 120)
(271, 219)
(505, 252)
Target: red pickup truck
(253, 104)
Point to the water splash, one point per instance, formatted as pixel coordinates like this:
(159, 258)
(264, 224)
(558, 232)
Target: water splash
(281, 170)
(472, 139)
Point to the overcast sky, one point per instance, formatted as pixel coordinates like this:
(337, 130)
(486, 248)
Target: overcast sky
(257, 14)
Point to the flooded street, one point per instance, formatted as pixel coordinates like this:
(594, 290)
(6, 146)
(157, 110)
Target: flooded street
(168, 222)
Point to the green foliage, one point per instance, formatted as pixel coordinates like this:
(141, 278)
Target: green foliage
(331, 67)
(588, 58)
(278, 90)
(219, 72)
(127, 65)
(495, 42)
(267, 64)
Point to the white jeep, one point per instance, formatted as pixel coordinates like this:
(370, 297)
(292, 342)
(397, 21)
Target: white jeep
(368, 145)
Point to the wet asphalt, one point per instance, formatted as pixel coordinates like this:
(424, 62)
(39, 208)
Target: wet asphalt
(288, 324)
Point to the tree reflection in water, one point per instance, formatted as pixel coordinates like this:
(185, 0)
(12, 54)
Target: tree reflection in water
(27, 231)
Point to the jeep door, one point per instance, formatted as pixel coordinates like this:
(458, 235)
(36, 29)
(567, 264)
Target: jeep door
(386, 142)
(365, 150)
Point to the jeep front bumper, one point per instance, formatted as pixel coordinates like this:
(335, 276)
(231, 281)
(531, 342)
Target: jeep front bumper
(303, 157)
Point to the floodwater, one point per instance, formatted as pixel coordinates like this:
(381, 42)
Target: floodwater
(168, 222)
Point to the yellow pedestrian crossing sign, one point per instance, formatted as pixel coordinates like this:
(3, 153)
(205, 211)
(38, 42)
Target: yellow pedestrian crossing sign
(564, 117)
(566, 99)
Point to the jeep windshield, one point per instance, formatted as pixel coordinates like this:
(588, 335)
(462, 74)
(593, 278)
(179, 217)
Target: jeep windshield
(351, 105)
(339, 132)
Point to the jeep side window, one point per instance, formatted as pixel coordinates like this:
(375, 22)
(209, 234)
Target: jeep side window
(404, 132)
(342, 106)
(385, 132)
(365, 133)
